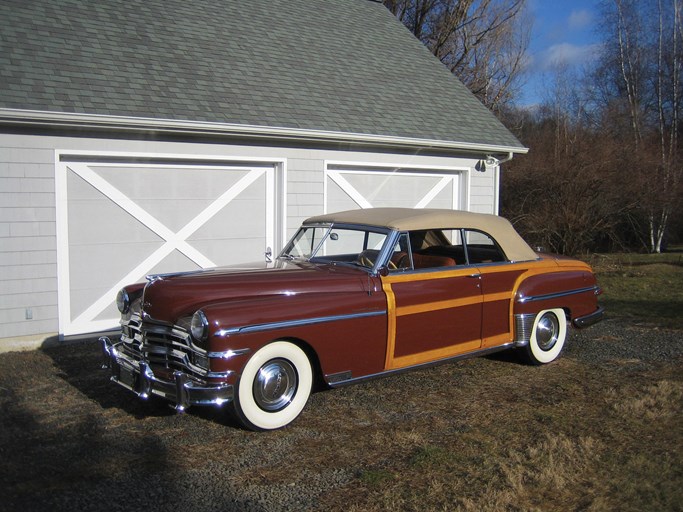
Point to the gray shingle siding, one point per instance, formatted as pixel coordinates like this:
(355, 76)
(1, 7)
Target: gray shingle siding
(28, 256)
(333, 65)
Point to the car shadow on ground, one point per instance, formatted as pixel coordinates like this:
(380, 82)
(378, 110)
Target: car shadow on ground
(72, 440)
(512, 356)
(80, 365)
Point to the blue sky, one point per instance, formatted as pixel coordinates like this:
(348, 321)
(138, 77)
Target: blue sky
(563, 30)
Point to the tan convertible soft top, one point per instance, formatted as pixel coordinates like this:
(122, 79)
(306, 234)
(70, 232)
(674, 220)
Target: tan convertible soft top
(408, 219)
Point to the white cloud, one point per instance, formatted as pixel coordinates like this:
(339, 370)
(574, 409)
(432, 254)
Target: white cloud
(566, 54)
(579, 19)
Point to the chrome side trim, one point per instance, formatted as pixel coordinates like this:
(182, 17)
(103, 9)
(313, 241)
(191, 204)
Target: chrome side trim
(557, 295)
(220, 375)
(476, 353)
(294, 323)
(227, 354)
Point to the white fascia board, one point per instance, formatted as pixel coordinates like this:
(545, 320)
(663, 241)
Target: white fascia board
(68, 119)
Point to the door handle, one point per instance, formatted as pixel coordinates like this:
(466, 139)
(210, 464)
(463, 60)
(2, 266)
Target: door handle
(475, 276)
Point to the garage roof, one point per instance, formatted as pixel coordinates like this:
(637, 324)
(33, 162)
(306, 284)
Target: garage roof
(335, 66)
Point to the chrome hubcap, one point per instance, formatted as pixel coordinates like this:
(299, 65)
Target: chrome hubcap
(275, 385)
(547, 330)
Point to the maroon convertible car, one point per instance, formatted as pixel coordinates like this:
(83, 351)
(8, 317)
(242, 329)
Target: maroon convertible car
(353, 295)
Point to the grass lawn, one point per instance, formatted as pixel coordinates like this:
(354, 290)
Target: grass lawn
(647, 288)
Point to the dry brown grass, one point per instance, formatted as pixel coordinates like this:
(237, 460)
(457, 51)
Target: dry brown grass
(488, 434)
(655, 403)
(643, 287)
(571, 438)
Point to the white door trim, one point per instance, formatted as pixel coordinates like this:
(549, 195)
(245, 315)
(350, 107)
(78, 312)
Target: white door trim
(448, 175)
(85, 322)
(356, 196)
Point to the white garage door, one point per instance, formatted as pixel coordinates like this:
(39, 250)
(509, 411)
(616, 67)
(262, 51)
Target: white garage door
(122, 218)
(348, 189)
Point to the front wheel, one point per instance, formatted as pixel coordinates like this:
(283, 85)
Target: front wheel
(274, 387)
(547, 337)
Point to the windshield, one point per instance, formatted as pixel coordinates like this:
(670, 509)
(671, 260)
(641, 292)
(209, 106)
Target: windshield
(356, 246)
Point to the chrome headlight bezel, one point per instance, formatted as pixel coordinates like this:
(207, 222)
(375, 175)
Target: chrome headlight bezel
(123, 301)
(199, 326)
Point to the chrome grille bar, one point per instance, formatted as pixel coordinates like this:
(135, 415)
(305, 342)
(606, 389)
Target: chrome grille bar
(163, 346)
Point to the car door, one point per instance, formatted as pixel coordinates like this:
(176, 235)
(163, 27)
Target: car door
(434, 307)
(499, 279)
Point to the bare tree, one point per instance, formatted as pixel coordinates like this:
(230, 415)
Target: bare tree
(483, 42)
(566, 195)
(668, 91)
(642, 65)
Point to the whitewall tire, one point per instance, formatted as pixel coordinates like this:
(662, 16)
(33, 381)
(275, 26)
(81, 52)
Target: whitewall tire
(547, 336)
(274, 387)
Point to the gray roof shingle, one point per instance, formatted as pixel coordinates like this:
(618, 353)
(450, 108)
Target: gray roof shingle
(332, 65)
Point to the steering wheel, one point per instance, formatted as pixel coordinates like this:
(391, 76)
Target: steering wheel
(367, 262)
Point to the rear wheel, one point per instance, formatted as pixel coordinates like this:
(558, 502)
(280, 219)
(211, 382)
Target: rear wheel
(274, 387)
(547, 337)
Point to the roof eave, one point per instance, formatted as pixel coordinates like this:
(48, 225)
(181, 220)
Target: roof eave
(124, 123)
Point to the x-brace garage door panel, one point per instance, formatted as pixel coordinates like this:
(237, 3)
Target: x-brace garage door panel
(348, 190)
(119, 222)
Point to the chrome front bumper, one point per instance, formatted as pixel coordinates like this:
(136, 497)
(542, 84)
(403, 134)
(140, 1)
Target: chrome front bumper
(138, 377)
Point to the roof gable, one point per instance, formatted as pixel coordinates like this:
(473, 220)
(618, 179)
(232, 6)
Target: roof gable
(344, 66)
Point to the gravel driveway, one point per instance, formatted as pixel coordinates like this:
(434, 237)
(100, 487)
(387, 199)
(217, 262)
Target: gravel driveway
(70, 440)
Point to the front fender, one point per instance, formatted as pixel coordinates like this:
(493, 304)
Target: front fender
(235, 317)
(347, 331)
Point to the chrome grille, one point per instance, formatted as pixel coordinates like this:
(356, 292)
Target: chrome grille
(164, 346)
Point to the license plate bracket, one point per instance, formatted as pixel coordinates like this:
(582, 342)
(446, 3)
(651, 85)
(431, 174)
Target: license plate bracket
(128, 377)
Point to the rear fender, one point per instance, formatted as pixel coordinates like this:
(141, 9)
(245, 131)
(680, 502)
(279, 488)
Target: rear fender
(575, 292)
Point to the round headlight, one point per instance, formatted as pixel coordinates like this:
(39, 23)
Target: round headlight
(123, 301)
(199, 327)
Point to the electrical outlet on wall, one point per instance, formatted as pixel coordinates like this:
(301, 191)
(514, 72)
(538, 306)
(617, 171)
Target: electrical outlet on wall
(29, 313)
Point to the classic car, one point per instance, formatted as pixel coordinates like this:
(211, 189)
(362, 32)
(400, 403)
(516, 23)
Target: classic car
(354, 295)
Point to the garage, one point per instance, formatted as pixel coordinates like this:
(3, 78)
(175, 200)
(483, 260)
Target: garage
(122, 217)
(184, 148)
(348, 187)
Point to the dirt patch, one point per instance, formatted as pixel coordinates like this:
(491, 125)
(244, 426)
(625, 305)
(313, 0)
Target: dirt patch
(599, 429)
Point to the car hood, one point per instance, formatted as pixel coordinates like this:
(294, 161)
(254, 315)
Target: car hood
(167, 297)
